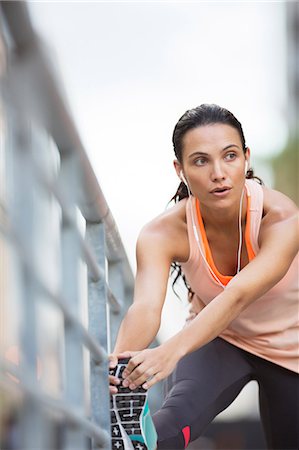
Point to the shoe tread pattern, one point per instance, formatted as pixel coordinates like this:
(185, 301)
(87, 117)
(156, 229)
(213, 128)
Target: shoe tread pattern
(129, 404)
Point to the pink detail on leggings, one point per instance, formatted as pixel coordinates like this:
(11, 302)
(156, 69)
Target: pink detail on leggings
(186, 433)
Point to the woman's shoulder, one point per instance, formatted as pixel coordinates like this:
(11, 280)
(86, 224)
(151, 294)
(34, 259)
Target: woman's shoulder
(278, 211)
(170, 219)
(168, 231)
(277, 205)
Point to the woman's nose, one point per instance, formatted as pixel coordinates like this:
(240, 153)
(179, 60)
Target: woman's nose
(217, 172)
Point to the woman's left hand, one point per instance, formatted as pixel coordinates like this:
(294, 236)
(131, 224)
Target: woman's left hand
(149, 366)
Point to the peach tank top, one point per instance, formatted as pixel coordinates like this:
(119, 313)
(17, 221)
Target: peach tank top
(269, 327)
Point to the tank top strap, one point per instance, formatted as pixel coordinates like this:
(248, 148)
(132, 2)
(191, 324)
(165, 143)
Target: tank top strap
(191, 221)
(255, 191)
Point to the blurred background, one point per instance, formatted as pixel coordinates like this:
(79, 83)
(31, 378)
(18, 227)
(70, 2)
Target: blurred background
(129, 70)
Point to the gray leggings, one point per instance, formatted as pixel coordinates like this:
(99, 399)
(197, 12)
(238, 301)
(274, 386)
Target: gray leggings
(207, 381)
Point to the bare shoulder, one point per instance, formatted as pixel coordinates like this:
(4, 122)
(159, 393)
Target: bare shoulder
(166, 235)
(277, 206)
(280, 215)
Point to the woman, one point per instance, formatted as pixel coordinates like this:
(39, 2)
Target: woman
(237, 245)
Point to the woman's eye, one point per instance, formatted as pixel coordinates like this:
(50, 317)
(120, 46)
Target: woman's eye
(230, 156)
(200, 161)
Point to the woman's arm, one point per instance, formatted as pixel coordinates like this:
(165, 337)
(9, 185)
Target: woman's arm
(142, 321)
(196, 305)
(160, 242)
(278, 247)
(155, 252)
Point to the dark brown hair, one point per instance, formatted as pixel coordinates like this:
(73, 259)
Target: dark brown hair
(205, 114)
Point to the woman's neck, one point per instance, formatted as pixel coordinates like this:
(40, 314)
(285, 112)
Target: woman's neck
(223, 220)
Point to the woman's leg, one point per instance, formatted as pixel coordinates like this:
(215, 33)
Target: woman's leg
(279, 406)
(205, 383)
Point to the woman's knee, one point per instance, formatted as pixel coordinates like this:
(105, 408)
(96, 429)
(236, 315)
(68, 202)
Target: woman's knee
(169, 433)
(173, 420)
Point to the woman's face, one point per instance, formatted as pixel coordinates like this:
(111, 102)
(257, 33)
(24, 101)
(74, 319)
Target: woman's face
(213, 162)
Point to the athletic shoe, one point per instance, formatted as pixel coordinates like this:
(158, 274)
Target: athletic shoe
(132, 427)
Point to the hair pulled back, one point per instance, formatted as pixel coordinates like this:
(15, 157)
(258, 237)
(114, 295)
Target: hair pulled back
(205, 114)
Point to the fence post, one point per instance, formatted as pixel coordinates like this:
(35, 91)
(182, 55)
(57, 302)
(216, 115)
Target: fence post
(98, 328)
(32, 92)
(74, 376)
(116, 282)
(25, 215)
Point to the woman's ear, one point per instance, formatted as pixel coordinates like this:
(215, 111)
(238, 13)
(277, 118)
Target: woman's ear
(247, 156)
(178, 168)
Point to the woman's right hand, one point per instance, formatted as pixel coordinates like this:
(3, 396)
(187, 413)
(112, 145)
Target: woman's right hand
(113, 381)
(113, 361)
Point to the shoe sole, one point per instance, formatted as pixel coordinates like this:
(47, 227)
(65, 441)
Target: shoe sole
(126, 410)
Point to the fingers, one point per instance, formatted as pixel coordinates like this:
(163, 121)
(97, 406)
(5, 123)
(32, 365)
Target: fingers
(139, 371)
(133, 363)
(112, 361)
(127, 354)
(113, 357)
(138, 377)
(113, 382)
(113, 390)
(148, 384)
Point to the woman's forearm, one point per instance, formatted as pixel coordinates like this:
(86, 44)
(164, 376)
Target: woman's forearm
(250, 284)
(138, 329)
(207, 325)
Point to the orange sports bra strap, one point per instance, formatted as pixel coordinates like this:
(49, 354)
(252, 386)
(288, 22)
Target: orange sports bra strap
(250, 251)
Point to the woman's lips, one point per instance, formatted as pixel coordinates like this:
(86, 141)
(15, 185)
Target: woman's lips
(221, 192)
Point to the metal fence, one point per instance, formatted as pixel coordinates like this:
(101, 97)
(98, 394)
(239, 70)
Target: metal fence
(69, 277)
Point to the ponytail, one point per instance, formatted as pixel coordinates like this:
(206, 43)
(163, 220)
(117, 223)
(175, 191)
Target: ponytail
(182, 192)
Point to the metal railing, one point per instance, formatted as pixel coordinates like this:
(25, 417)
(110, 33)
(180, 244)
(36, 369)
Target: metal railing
(58, 303)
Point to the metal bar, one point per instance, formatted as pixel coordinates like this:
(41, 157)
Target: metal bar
(68, 413)
(94, 269)
(98, 352)
(97, 319)
(10, 234)
(32, 89)
(74, 376)
(23, 210)
(116, 281)
(42, 84)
